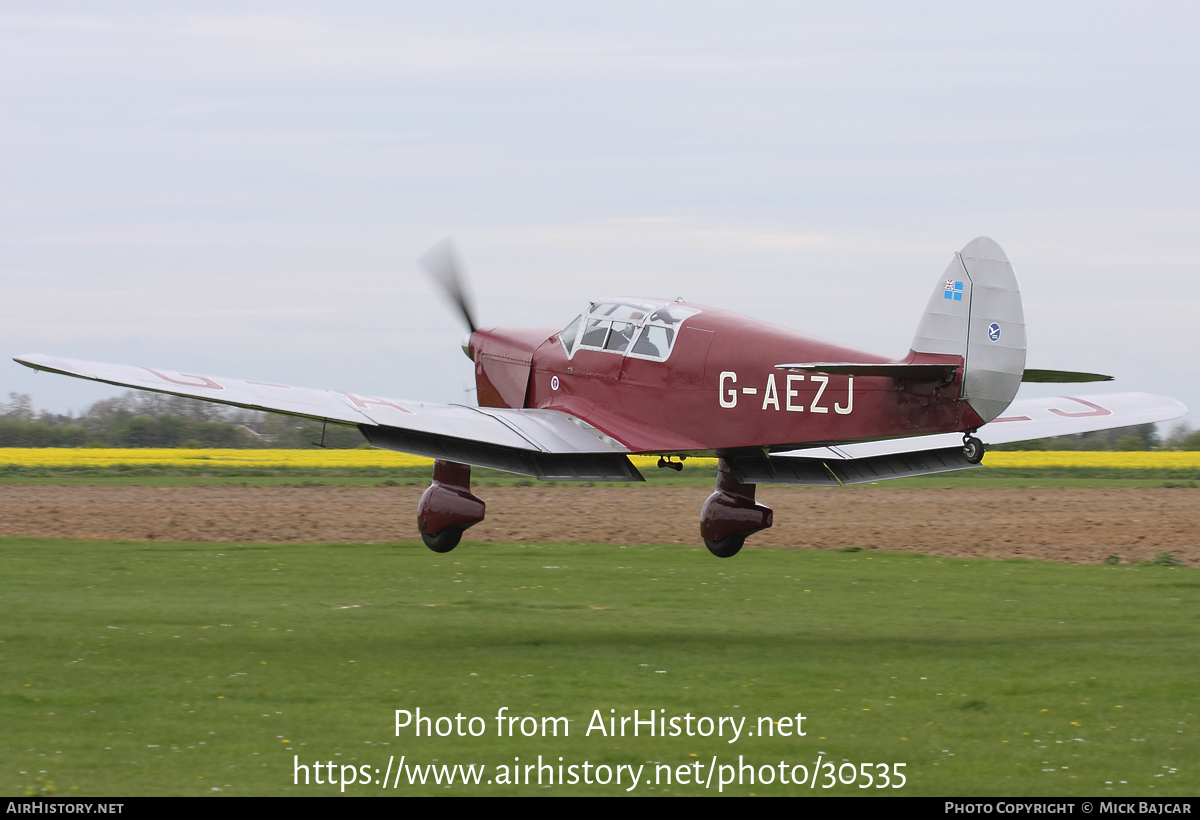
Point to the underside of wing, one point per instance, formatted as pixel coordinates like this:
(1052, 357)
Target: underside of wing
(545, 444)
(822, 468)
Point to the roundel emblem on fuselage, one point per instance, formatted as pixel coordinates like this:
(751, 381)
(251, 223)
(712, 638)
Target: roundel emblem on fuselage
(994, 332)
(554, 382)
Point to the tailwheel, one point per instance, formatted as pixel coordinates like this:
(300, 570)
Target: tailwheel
(443, 541)
(973, 449)
(726, 547)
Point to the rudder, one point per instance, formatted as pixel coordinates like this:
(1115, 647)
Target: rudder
(975, 312)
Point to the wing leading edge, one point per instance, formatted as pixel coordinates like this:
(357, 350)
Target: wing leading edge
(545, 444)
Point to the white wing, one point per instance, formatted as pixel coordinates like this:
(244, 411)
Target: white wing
(547, 444)
(1025, 420)
(925, 455)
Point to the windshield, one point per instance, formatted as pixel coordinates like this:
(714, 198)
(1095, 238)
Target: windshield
(568, 334)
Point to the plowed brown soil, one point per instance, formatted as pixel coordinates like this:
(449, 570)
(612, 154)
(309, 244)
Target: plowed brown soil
(1079, 526)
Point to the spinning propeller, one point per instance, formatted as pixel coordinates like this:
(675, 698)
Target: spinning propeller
(441, 263)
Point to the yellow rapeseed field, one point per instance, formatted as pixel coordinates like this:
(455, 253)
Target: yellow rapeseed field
(317, 459)
(1129, 460)
(105, 457)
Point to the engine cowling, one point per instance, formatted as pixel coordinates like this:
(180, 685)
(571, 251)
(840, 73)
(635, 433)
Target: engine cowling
(503, 362)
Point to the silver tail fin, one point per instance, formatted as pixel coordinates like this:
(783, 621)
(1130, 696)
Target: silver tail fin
(975, 312)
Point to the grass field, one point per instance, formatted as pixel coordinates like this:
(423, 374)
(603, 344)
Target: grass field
(162, 668)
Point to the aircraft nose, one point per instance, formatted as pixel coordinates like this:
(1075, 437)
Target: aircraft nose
(466, 346)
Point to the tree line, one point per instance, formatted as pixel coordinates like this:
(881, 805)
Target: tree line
(1139, 437)
(138, 419)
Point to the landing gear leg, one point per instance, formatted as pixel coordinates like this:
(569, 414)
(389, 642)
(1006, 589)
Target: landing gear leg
(973, 449)
(730, 514)
(447, 507)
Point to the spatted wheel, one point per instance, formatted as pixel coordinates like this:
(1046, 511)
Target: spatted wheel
(725, 547)
(443, 541)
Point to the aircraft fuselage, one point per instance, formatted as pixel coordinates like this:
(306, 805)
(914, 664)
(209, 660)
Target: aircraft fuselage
(717, 390)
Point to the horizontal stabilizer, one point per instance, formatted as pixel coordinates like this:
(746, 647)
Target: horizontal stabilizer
(1062, 377)
(892, 370)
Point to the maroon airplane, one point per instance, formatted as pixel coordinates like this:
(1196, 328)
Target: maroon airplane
(676, 379)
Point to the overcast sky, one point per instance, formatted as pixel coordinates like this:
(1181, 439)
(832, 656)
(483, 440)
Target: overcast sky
(242, 189)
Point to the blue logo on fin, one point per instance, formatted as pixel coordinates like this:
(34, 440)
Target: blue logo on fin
(994, 332)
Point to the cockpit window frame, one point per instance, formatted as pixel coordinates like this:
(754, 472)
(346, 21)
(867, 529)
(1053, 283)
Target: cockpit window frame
(669, 316)
(671, 331)
(570, 346)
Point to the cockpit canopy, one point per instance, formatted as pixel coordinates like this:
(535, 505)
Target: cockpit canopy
(638, 328)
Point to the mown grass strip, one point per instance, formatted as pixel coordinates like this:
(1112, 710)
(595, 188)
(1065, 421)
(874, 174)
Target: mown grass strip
(161, 668)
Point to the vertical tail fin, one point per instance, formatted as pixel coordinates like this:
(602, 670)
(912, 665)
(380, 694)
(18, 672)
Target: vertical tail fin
(975, 312)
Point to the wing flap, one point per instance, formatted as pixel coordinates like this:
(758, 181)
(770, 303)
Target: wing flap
(828, 471)
(561, 466)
